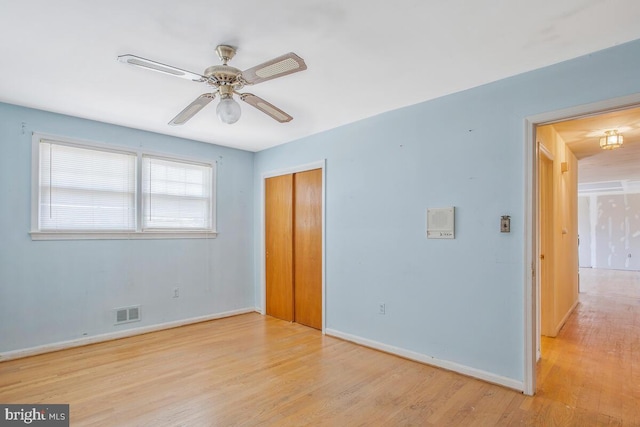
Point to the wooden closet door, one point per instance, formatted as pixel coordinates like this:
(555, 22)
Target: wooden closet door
(279, 246)
(307, 248)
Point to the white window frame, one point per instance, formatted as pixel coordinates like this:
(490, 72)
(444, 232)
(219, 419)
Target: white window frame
(143, 225)
(139, 233)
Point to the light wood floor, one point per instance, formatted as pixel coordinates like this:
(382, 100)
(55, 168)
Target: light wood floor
(256, 370)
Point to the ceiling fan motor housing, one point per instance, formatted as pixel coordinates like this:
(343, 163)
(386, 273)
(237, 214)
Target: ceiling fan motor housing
(224, 74)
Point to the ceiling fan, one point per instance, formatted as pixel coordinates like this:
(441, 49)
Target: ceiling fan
(226, 81)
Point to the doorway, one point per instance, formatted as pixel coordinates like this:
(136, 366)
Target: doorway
(294, 245)
(535, 235)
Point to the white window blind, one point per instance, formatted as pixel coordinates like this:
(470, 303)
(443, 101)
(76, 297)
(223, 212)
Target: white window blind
(176, 194)
(86, 189)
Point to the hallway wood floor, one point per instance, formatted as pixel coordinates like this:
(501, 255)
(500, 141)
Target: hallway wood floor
(256, 370)
(594, 363)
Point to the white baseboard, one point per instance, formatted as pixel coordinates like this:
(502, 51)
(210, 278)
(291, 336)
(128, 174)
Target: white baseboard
(423, 358)
(62, 345)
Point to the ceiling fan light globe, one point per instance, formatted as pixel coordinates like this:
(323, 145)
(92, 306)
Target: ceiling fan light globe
(228, 111)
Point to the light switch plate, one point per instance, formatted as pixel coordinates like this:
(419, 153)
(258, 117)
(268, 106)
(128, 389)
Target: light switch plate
(505, 224)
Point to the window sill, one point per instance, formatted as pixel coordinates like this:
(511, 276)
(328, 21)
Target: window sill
(122, 235)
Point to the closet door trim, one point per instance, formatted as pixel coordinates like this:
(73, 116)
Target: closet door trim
(321, 164)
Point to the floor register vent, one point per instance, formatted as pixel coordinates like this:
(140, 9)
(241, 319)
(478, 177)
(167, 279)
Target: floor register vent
(127, 314)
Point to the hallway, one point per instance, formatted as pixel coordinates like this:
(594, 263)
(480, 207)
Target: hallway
(594, 363)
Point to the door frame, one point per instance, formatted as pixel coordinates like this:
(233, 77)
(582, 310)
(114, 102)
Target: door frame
(320, 164)
(531, 273)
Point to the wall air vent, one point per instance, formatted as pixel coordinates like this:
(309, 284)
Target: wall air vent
(127, 314)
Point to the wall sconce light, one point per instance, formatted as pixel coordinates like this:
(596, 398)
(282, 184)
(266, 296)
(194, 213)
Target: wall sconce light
(611, 139)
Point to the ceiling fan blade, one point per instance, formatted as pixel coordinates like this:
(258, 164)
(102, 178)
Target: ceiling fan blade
(266, 107)
(277, 67)
(161, 68)
(192, 109)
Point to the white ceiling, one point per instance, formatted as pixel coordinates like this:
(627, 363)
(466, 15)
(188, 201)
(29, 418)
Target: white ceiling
(363, 57)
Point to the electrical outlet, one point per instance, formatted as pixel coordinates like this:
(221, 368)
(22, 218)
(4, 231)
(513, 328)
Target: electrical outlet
(176, 292)
(382, 308)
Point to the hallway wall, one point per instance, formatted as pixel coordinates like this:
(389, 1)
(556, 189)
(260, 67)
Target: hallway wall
(613, 221)
(564, 292)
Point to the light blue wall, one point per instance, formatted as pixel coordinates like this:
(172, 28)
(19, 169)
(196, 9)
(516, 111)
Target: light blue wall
(52, 291)
(456, 300)
(459, 300)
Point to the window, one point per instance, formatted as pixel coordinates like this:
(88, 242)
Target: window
(91, 191)
(86, 189)
(176, 194)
